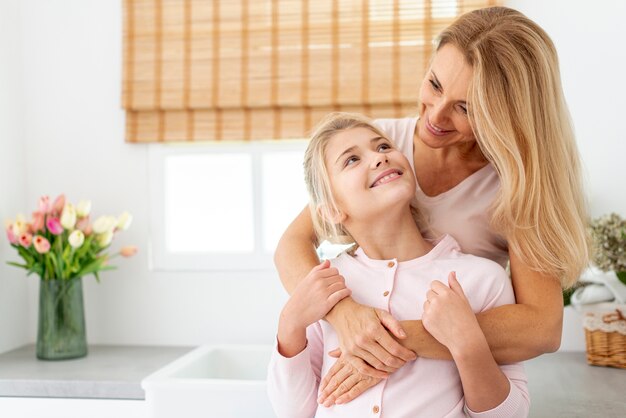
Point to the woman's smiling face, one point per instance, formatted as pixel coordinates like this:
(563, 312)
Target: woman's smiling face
(367, 174)
(443, 95)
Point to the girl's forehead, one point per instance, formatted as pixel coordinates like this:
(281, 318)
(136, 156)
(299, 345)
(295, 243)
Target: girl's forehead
(350, 138)
(358, 135)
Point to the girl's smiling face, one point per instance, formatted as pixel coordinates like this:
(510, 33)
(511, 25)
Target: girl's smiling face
(367, 174)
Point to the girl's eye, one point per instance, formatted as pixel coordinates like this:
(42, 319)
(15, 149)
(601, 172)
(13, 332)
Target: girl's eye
(383, 147)
(434, 85)
(351, 160)
(463, 109)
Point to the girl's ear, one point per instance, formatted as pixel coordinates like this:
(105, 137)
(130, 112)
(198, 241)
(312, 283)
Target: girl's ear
(330, 214)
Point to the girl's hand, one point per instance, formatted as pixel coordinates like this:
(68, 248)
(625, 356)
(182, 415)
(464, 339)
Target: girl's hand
(364, 333)
(314, 296)
(344, 382)
(448, 315)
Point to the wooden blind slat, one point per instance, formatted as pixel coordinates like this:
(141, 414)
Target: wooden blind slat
(197, 70)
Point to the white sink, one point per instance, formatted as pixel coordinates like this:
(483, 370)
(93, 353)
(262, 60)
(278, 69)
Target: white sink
(221, 381)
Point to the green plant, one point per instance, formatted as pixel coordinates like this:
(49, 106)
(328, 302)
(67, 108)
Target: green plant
(609, 244)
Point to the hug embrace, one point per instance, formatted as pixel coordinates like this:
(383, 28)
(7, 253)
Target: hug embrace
(419, 317)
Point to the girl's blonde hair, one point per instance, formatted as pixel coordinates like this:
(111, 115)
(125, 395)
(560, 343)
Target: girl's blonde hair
(520, 119)
(322, 203)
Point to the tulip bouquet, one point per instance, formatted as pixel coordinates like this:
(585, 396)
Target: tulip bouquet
(61, 242)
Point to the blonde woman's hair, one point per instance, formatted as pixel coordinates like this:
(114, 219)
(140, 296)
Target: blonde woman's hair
(322, 203)
(520, 119)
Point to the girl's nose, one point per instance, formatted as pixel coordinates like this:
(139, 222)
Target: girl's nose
(380, 160)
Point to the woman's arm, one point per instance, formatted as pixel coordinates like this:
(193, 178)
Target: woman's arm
(515, 333)
(363, 331)
(295, 254)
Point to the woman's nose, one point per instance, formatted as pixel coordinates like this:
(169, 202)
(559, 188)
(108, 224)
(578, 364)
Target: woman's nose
(438, 112)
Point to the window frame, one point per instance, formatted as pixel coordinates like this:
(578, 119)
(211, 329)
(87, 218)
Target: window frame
(163, 260)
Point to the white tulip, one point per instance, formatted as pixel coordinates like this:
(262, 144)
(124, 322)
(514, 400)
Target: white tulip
(105, 238)
(68, 216)
(19, 227)
(83, 208)
(124, 221)
(104, 224)
(76, 238)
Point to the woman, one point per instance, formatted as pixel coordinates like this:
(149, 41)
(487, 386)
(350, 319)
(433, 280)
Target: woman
(361, 186)
(498, 169)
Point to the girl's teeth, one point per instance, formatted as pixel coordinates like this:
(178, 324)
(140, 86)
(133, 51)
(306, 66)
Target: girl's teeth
(387, 177)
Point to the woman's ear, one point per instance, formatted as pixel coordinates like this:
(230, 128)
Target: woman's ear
(332, 215)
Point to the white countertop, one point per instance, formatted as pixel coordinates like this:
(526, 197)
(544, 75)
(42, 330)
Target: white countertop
(108, 372)
(563, 385)
(560, 384)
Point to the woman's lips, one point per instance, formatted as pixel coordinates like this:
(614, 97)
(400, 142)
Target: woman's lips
(435, 130)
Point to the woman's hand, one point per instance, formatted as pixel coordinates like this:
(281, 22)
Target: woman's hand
(448, 315)
(364, 333)
(344, 382)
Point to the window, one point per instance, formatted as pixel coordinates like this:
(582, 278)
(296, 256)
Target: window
(223, 206)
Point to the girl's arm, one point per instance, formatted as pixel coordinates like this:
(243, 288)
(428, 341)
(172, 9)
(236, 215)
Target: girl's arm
(292, 382)
(516, 332)
(294, 370)
(448, 316)
(310, 301)
(362, 330)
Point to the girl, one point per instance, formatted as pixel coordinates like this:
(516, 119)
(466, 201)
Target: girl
(361, 188)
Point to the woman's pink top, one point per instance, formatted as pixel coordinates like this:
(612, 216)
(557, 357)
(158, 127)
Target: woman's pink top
(421, 388)
(462, 211)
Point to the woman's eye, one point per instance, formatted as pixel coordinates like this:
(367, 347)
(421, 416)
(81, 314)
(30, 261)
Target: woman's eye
(434, 85)
(383, 147)
(463, 109)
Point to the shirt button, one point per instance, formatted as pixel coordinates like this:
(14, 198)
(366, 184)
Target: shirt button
(386, 293)
(391, 264)
(375, 409)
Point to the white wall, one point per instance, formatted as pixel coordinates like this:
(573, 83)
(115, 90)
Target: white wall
(75, 142)
(73, 131)
(14, 304)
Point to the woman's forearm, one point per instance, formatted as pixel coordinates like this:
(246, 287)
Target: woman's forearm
(295, 254)
(514, 333)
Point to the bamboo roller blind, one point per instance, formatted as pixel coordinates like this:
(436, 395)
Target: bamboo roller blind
(197, 70)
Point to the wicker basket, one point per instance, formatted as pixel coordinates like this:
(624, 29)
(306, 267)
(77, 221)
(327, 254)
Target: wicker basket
(605, 334)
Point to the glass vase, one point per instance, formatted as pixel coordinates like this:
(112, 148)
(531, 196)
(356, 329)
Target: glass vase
(61, 329)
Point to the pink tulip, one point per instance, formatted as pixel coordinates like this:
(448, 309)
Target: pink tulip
(11, 235)
(54, 226)
(38, 222)
(128, 251)
(26, 239)
(44, 204)
(82, 223)
(59, 204)
(42, 245)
